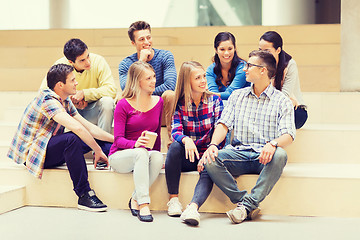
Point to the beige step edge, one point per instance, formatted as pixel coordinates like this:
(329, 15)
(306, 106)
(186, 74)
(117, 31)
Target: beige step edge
(303, 190)
(11, 197)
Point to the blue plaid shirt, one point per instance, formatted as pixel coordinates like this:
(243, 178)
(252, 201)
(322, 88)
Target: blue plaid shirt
(258, 120)
(197, 122)
(35, 129)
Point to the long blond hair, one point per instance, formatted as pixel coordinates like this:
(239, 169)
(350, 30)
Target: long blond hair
(132, 87)
(183, 87)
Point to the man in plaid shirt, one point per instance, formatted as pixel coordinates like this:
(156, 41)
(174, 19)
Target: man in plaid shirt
(263, 122)
(40, 141)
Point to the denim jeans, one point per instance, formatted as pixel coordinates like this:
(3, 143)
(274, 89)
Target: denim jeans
(100, 113)
(232, 163)
(146, 166)
(175, 164)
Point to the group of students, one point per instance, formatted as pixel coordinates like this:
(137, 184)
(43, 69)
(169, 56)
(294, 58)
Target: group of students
(259, 101)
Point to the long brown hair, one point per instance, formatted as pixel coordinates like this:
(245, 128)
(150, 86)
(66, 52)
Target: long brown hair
(132, 87)
(183, 87)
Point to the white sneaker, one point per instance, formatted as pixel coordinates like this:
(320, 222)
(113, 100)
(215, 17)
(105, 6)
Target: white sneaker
(191, 215)
(174, 207)
(237, 215)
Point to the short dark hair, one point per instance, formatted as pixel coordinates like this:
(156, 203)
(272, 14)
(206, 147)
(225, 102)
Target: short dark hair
(136, 26)
(74, 48)
(267, 59)
(58, 73)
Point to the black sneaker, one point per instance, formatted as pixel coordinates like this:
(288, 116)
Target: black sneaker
(90, 202)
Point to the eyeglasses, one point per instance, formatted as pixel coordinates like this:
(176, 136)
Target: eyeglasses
(249, 65)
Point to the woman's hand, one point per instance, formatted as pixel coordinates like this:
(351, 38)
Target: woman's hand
(142, 140)
(190, 149)
(294, 103)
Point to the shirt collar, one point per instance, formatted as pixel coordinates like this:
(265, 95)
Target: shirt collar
(53, 94)
(268, 92)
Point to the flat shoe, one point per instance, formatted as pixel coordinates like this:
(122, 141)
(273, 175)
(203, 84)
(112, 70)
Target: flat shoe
(134, 212)
(145, 218)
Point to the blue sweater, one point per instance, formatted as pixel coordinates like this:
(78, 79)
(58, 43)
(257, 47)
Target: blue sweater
(239, 81)
(163, 64)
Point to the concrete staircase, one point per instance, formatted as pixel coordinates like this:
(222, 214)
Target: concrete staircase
(322, 175)
(320, 179)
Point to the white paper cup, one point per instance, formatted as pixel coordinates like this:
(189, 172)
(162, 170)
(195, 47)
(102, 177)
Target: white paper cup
(152, 138)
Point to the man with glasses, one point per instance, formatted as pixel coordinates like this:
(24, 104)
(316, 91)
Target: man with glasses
(263, 122)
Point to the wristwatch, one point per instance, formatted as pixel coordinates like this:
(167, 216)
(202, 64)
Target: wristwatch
(274, 143)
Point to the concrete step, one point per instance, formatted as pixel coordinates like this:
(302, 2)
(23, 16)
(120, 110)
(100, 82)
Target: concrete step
(7, 130)
(320, 33)
(11, 197)
(48, 55)
(332, 107)
(325, 143)
(303, 189)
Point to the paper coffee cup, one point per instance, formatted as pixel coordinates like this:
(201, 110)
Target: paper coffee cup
(152, 138)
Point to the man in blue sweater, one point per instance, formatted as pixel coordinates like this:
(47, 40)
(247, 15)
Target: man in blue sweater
(161, 60)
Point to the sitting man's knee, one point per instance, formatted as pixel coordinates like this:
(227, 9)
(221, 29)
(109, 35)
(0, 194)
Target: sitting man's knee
(168, 95)
(107, 103)
(280, 157)
(73, 139)
(211, 167)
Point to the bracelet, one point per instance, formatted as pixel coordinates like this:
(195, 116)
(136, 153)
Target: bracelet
(213, 144)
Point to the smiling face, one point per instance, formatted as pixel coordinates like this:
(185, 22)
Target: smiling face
(198, 81)
(82, 62)
(225, 51)
(147, 81)
(142, 40)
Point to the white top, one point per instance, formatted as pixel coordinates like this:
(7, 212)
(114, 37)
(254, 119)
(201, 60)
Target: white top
(291, 86)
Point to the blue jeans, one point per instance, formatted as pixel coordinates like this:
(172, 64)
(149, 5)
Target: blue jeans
(175, 164)
(100, 113)
(233, 163)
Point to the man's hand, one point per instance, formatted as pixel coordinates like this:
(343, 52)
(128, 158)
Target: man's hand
(267, 153)
(81, 105)
(79, 96)
(100, 156)
(210, 154)
(190, 149)
(145, 55)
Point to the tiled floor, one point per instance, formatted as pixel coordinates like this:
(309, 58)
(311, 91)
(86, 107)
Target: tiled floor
(68, 223)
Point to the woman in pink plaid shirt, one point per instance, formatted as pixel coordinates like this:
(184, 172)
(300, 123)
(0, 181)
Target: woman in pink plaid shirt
(195, 113)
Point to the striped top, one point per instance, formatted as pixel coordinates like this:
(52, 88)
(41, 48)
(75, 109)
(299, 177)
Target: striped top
(197, 122)
(35, 129)
(258, 120)
(164, 66)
